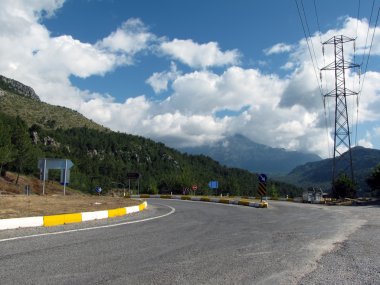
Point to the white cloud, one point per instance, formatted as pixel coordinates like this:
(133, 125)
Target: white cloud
(74, 57)
(276, 111)
(131, 38)
(366, 141)
(377, 131)
(204, 92)
(125, 116)
(278, 48)
(199, 55)
(159, 80)
(178, 130)
(29, 53)
(288, 66)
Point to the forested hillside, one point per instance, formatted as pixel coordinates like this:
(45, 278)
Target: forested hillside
(103, 159)
(318, 173)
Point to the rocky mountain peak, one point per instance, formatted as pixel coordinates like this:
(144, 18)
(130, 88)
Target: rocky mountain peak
(8, 84)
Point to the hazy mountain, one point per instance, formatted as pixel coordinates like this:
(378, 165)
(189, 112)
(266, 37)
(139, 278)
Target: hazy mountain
(319, 173)
(239, 151)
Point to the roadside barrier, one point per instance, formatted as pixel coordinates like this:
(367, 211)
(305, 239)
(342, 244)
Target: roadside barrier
(235, 201)
(56, 220)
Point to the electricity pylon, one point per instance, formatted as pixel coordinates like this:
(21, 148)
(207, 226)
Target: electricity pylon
(342, 141)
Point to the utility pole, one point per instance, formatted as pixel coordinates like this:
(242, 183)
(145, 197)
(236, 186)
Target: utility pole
(342, 141)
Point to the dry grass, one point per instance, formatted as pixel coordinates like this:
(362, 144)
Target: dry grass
(28, 206)
(14, 204)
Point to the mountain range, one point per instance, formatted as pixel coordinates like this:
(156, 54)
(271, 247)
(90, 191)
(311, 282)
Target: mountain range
(31, 130)
(239, 151)
(61, 131)
(319, 173)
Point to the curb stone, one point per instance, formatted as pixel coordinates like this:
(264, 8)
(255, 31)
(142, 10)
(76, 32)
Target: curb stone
(56, 220)
(263, 204)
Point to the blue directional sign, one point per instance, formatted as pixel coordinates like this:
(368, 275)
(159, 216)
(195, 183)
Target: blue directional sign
(213, 184)
(263, 178)
(98, 189)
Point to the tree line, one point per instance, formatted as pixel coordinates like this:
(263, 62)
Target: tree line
(104, 159)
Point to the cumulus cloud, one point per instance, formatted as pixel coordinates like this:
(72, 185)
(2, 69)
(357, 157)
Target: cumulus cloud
(204, 92)
(31, 55)
(177, 129)
(159, 80)
(277, 111)
(366, 141)
(199, 55)
(132, 37)
(125, 116)
(377, 131)
(278, 48)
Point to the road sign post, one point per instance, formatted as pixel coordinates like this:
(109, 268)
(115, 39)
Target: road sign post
(213, 185)
(262, 189)
(134, 176)
(98, 190)
(194, 187)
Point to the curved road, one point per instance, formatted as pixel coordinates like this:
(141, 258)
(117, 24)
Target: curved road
(182, 242)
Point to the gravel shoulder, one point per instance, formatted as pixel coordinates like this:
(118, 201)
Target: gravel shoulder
(355, 260)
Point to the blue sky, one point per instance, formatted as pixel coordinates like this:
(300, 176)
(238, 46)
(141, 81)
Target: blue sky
(193, 72)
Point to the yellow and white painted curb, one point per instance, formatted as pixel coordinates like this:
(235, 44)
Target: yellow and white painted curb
(234, 201)
(56, 220)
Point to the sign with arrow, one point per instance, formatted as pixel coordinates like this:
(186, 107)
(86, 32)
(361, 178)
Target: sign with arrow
(262, 185)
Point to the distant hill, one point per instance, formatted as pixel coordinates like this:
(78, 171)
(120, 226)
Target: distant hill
(239, 151)
(17, 99)
(319, 173)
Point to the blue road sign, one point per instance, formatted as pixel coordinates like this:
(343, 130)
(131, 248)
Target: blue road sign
(213, 184)
(263, 178)
(98, 189)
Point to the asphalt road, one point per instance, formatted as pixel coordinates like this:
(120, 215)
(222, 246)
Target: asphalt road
(180, 242)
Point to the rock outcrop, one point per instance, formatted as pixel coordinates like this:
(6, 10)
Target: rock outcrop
(7, 84)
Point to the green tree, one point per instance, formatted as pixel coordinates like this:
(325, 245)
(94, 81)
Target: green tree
(273, 192)
(6, 150)
(373, 181)
(25, 155)
(6, 156)
(344, 187)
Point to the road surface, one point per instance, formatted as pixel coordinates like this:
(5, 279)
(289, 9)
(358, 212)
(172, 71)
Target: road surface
(184, 242)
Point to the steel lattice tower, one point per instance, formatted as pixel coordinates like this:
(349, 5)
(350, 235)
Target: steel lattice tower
(342, 141)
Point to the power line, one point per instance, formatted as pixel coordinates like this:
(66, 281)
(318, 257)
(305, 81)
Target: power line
(370, 49)
(308, 29)
(357, 98)
(357, 20)
(307, 42)
(316, 15)
(369, 25)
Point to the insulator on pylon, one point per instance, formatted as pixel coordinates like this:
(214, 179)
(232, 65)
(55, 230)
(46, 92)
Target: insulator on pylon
(323, 50)
(320, 75)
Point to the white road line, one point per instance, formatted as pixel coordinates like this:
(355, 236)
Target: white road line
(93, 228)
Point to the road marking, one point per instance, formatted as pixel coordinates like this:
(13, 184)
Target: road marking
(172, 211)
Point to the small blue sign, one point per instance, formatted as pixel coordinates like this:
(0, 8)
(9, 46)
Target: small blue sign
(263, 178)
(213, 184)
(98, 189)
